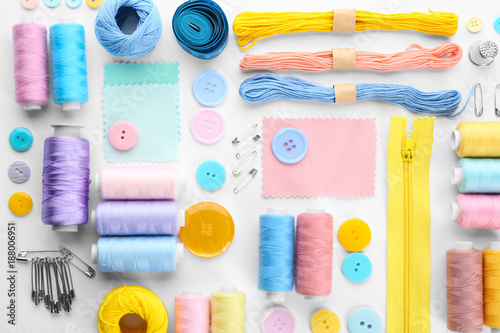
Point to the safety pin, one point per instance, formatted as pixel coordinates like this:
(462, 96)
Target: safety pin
(497, 108)
(478, 111)
(245, 162)
(256, 139)
(245, 134)
(245, 181)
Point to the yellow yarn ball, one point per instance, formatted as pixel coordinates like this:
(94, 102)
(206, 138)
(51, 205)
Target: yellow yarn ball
(121, 308)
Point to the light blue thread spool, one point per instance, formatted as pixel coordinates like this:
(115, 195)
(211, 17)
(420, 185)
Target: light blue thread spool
(276, 253)
(69, 65)
(137, 254)
(477, 175)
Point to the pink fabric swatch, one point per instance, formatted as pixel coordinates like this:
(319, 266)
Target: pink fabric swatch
(340, 161)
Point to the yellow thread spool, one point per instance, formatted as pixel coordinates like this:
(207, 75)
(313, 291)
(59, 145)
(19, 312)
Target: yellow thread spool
(491, 278)
(132, 309)
(477, 139)
(228, 311)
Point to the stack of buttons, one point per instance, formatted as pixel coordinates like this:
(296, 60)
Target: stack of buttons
(355, 235)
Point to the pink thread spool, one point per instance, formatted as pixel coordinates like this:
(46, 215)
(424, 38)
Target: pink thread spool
(476, 211)
(30, 65)
(192, 313)
(152, 182)
(464, 274)
(314, 254)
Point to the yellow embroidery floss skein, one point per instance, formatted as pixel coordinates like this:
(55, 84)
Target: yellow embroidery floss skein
(132, 309)
(228, 311)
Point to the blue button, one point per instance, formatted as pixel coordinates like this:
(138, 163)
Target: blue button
(365, 320)
(211, 175)
(52, 3)
(73, 3)
(210, 88)
(496, 25)
(21, 139)
(289, 145)
(19, 172)
(357, 267)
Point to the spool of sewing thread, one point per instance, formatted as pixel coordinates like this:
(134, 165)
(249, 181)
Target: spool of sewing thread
(228, 311)
(313, 271)
(192, 313)
(476, 211)
(69, 65)
(137, 254)
(132, 309)
(152, 182)
(201, 28)
(30, 65)
(476, 139)
(491, 278)
(276, 253)
(112, 27)
(464, 272)
(477, 175)
(65, 180)
(137, 218)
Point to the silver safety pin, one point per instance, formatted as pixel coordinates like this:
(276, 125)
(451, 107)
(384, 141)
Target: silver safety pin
(245, 162)
(497, 107)
(478, 111)
(245, 134)
(256, 139)
(245, 181)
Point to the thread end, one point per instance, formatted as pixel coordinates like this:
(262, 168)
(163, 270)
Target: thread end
(71, 106)
(454, 211)
(65, 228)
(32, 107)
(456, 138)
(457, 176)
(275, 296)
(93, 253)
(463, 245)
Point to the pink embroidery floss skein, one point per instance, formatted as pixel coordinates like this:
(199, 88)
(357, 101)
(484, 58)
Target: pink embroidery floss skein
(415, 57)
(30, 65)
(192, 313)
(464, 275)
(314, 254)
(476, 211)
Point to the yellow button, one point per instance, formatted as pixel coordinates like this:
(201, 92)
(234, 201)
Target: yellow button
(474, 24)
(94, 3)
(20, 203)
(208, 230)
(354, 235)
(325, 321)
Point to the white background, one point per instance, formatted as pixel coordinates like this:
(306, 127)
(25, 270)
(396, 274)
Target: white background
(239, 264)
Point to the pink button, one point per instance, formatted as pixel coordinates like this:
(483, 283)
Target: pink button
(29, 4)
(122, 135)
(279, 320)
(208, 126)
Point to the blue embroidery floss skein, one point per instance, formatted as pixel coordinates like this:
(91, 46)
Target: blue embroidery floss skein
(65, 180)
(111, 19)
(276, 253)
(201, 28)
(137, 218)
(477, 175)
(137, 254)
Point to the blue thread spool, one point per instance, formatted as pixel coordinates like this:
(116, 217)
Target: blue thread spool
(69, 65)
(276, 253)
(137, 254)
(477, 175)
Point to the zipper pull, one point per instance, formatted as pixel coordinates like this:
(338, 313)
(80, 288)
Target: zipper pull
(408, 150)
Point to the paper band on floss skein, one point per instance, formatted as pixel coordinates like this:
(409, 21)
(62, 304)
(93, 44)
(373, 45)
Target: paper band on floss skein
(228, 311)
(251, 27)
(137, 218)
(152, 182)
(30, 65)
(69, 65)
(477, 175)
(132, 309)
(476, 211)
(476, 139)
(276, 253)
(65, 180)
(313, 271)
(192, 313)
(464, 271)
(415, 57)
(491, 277)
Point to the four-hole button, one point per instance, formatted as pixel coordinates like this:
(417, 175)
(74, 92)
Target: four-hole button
(279, 320)
(289, 145)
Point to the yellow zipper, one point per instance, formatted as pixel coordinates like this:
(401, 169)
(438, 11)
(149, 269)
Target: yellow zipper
(408, 226)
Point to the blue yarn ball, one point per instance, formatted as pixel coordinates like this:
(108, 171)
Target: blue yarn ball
(112, 15)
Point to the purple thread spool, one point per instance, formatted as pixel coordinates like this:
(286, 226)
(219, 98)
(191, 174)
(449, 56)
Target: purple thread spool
(137, 218)
(65, 179)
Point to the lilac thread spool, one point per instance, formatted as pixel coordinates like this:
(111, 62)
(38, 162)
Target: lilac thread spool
(66, 179)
